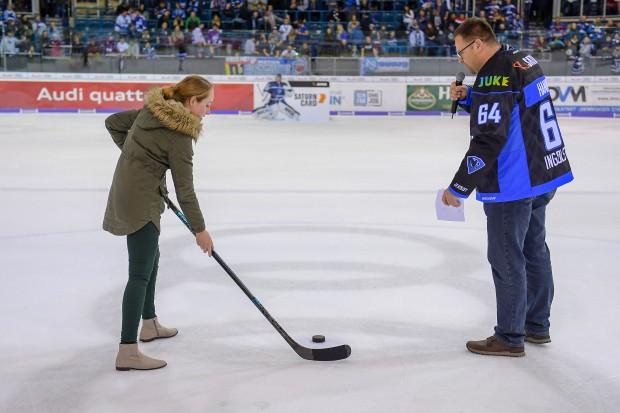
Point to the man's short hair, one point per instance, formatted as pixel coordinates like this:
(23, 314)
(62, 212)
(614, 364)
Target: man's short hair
(475, 28)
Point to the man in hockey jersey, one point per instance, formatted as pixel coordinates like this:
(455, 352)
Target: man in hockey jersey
(515, 162)
(276, 90)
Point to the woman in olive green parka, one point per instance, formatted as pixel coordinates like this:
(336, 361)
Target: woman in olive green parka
(154, 139)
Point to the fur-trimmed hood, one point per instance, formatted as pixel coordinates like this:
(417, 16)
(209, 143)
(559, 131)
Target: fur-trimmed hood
(172, 114)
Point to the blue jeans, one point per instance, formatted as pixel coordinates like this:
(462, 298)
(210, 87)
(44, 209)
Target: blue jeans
(521, 266)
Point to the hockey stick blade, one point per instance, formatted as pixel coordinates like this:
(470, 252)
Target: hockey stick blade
(317, 354)
(323, 354)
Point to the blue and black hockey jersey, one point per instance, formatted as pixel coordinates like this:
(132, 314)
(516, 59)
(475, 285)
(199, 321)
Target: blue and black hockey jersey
(277, 91)
(516, 149)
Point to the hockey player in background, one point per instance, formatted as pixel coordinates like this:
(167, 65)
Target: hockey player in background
(276, 91)
(515, 162)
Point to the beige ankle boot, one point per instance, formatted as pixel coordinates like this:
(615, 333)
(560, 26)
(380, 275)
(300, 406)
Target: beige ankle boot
(129, 357)
(151, 329)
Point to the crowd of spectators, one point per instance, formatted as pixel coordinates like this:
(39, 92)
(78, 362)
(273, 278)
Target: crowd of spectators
(29, 34)
(291, 28)
(582, 40)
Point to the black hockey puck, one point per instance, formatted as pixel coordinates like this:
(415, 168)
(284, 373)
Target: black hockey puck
(318, 338)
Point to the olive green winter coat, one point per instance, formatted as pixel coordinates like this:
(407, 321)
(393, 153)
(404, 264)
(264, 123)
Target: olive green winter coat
(152, 140)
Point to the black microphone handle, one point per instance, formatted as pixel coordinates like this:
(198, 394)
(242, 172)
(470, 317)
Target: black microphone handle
(455, 103)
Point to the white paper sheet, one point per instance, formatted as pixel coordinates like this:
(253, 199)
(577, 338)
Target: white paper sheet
(449, 213)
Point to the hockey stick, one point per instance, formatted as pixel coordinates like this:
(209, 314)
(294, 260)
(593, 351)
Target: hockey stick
(317, 354)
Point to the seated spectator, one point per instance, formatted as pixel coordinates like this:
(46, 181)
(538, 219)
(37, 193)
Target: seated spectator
(289, 53)
(305, 50)
(122, 23)
(53, 30)
(9, 14)
(572, 47)
(149, 51)
(329, 43)
(270, 49)
(541, 45)
(160, 10)
(557, 27)
(353, 22)
(55, 44)
(417, 41)
(292, 37)
(132, 32)
(178, 37)
(122, 47)
(275, 34)
(139, 21)
(38, 27)
(24, 26)
(93, 49)
(199, 48)
(134, 49)
(356, 38)
(256, 22)
(145, 36)
(198, 35)
(391, 44)
(144, 12)
(214, 40)
(194, 6)
(178, 11)
(109, 46)
(269, 21)
(165, 18)
(77, 48)
(408, 16)
(365, 23)
(8, 44)
(433, 40)
(586, 48)
(227, 15)
(575, 31)
(26, 46)
(43, 43)
(368, 49)
(336, 15)
(342, 37)
(557, 42)
(517, 26)
(303, 34)
(192, 22)
(423, 19)
(164, 37)
(178, 22)
(285, 29)
(249, 48)
(215, 20)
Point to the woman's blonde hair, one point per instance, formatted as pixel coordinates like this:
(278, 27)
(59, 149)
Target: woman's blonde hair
(192, 85)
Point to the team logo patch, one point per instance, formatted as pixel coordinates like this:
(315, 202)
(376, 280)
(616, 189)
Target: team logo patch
(474, 164)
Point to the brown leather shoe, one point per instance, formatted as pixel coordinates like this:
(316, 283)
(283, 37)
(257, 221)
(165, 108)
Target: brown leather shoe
(537, 338)
(493, 347)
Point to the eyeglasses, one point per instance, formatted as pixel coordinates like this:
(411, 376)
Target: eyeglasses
(463, 49)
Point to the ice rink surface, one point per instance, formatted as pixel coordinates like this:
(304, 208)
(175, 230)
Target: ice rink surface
(333, 228)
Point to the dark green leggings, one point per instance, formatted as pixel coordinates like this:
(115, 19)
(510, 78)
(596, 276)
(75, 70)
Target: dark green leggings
(139, 297)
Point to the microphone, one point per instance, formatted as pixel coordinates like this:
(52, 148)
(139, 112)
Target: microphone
(459, 81)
